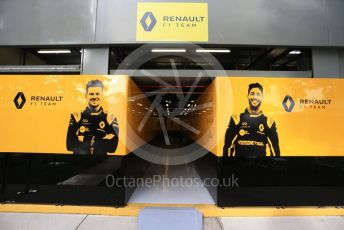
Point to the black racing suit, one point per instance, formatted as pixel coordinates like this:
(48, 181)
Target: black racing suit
(87, 133)
(248, 135)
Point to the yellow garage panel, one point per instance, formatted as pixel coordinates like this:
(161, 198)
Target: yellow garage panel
(37, 112)
(306, 112)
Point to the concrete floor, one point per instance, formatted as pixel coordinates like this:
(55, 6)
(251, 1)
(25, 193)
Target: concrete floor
(162, 193)
(34, 221)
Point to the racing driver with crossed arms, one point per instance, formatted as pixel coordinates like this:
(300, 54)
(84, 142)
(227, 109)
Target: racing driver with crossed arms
(93, 131)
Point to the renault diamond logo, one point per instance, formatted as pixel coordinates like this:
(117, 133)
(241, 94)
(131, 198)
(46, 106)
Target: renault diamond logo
(288, 103)
(19, 100)
(148, 21)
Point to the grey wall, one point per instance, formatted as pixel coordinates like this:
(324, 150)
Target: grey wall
(40, 22)
(325, 62)
(336, 22)
(341, 62)
(95, 61)
(249, 22)
(254, 22)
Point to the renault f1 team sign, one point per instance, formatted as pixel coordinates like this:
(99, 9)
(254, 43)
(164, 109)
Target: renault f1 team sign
(63, 114)
(172, 22)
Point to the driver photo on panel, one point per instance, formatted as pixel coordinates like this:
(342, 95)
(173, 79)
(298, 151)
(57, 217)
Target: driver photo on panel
(93, 131)
(249, 133)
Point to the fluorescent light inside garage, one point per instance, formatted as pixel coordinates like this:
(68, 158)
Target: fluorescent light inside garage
(57, 51)
(213, 51)
(168, 50)
(295, 52)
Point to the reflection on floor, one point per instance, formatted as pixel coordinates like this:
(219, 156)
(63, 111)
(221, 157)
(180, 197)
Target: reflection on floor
(178, 184)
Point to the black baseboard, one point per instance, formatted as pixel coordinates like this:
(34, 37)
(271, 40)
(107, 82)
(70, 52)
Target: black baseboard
(207, 167)
(293, 181)
(41, 180)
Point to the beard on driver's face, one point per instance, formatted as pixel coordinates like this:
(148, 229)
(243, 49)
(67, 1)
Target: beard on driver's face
(254, 103)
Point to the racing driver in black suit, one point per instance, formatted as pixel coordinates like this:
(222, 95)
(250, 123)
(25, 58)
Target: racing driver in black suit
(93, 131)
(249, 133)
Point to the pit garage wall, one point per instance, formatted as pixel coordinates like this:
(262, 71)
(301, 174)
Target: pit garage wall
(212, 117)
(312, 127)
(204, 119)
(48, 123)
(139, 130)
(269, 22)
(309, 172)
(43, 123)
